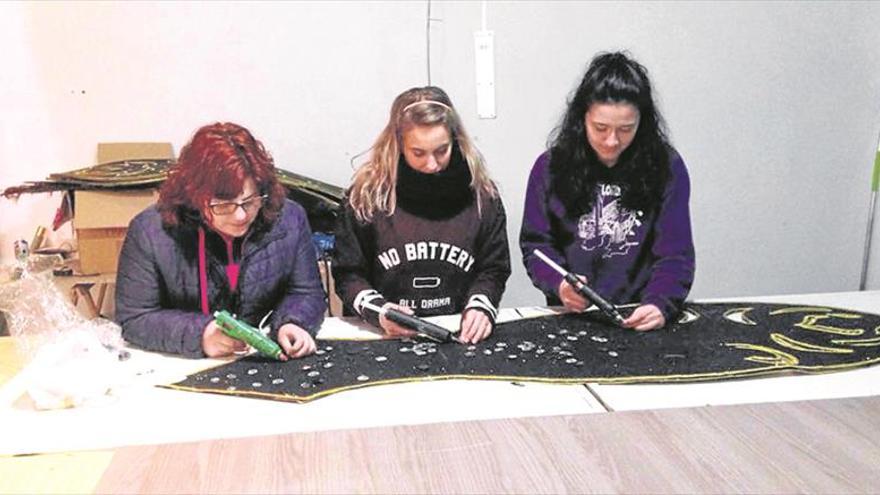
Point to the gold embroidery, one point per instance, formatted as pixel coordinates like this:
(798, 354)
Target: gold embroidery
(800, 309)
(738, 315)
(811, 322)
(779, 358)
(860, 342)
(798, 345)
(688, 316)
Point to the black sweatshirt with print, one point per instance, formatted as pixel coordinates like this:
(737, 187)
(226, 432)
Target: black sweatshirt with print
(438, 253)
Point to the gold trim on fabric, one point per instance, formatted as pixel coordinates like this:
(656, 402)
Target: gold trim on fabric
(811, 322)
(800, 309)
(797, 345)
(779, 358)
(743, 319)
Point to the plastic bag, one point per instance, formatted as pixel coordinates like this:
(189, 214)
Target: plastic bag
(72, 360)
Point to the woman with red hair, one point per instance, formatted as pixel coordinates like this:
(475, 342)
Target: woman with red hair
(221, 237)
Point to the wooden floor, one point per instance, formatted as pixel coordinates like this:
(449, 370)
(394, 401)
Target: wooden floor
(804, 447)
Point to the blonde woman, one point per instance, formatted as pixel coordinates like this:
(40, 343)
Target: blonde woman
(423, 229)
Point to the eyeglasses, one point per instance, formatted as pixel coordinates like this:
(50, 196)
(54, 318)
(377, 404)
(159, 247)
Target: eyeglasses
(228, 208)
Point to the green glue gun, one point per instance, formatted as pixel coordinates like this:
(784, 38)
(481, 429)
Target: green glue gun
(248, 334)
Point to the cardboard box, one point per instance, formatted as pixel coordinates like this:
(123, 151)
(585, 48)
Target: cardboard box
(101, 220)
(101, 217)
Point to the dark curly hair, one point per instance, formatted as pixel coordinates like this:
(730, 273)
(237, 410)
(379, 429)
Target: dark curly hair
(642, 169)
(215, 163)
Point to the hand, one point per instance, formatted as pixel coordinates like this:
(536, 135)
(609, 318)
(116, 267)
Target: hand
(215, 343)
(295, 341)
(571, 298)
(475, 326)
(645, 317)
(393, 329)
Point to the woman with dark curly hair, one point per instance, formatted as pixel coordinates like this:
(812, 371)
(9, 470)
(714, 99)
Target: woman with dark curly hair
(222, 237)
(609, 200)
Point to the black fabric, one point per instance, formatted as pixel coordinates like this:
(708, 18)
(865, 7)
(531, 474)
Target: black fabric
(708, 343)
(435, 196)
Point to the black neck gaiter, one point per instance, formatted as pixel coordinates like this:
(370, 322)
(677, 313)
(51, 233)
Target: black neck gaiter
(435, 196)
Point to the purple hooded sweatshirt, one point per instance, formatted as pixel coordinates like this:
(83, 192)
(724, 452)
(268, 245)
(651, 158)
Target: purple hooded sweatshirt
(158, 289)
(627, 256)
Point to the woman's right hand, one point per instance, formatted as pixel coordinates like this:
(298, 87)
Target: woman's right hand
(571, 298)
(215, 343)
(393, 329)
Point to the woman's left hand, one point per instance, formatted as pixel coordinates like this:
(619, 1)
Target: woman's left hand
(645, 317)
(295, 341)
(475, 326)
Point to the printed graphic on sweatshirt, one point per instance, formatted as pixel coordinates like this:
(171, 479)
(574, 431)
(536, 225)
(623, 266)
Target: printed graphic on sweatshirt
(609, 226)
(427, 250)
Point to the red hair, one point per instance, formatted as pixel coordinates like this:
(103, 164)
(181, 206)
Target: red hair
(215, 164)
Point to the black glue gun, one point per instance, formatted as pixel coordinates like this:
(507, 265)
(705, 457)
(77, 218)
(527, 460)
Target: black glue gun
(583, 289)
(418, 325)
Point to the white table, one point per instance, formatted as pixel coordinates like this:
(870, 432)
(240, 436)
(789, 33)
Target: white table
(854, 383)
(140, 413)
(143, 414)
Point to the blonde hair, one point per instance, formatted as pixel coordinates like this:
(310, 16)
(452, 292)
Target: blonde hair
(373, 185)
